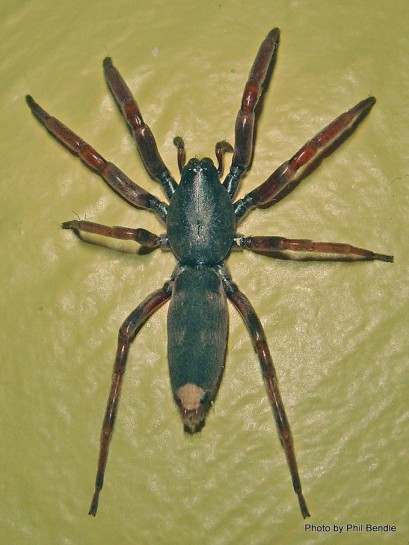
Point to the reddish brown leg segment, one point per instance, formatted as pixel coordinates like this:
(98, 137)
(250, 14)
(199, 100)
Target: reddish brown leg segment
(115, 178)
(245, 121)
(144, 139)
(289, 248)
(127, 334)
(258, 338)
(305, 160)
(141, 236)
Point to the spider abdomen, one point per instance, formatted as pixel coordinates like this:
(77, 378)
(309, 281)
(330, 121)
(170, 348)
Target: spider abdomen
(196, 342)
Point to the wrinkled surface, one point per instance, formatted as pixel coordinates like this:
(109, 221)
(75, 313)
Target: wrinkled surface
(337, 332)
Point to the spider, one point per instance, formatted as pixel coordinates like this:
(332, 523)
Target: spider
(201, 222)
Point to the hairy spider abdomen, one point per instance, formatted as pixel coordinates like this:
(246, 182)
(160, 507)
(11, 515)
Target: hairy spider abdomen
(196, 342)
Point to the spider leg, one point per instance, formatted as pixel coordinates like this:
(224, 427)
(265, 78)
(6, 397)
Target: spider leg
(144, 238)
(127, 334)
(308, 250)
(304, 161)
(259, 341)
(245, 121)
(115, 178)
(142, 134)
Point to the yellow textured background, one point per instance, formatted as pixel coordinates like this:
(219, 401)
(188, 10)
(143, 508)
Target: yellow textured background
(338, 332)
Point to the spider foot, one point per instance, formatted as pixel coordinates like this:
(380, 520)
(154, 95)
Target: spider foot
(73, 225)
(303, 506)
(94, 504)
(68, 224)
(382, 257)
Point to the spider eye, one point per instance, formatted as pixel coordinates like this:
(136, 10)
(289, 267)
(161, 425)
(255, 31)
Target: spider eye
(207, 161)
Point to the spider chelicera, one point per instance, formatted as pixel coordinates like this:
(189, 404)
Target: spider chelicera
(201, 222)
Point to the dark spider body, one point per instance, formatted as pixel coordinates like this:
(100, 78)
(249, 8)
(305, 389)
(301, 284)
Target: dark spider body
(201, 221)
(201, 225)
